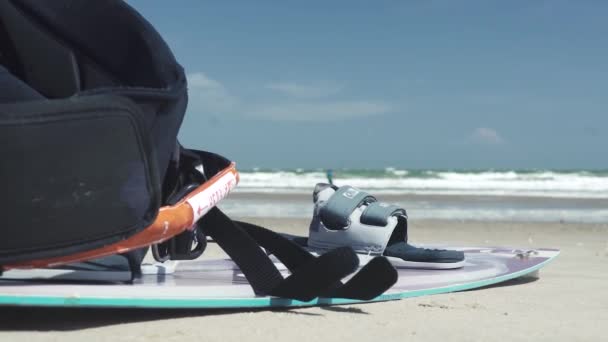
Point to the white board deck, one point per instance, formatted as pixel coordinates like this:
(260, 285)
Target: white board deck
(220, 284)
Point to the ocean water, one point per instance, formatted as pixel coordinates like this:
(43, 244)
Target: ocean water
(539, 183)
(504, 195)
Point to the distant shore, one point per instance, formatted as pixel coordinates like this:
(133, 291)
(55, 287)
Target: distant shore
(428, 207)
(404, 198)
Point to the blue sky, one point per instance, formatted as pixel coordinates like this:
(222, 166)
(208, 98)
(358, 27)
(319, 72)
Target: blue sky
(409, 84)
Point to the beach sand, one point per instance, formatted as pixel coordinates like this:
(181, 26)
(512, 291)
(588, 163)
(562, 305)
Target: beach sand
(568, 303)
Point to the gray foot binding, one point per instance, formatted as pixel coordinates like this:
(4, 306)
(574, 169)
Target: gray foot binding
(347, 216)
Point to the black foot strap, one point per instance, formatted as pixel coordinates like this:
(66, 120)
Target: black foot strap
(305, 283)
(372, 280)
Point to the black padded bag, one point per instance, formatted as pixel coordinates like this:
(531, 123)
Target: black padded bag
(89, 119)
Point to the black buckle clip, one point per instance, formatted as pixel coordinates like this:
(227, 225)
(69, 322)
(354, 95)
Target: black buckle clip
(188, 245)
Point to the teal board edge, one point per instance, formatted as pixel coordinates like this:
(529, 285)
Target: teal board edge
(254, 302)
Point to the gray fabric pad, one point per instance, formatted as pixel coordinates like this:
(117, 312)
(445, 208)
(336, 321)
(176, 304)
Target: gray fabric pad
(336, 212)
(377, 213)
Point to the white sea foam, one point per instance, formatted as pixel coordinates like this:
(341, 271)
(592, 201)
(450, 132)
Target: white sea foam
(392, 181)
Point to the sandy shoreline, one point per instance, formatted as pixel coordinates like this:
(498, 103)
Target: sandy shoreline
(568, 303)
(431, 207)
(405, 198)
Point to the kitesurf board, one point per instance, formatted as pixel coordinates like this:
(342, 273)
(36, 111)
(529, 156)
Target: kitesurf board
(220, 284)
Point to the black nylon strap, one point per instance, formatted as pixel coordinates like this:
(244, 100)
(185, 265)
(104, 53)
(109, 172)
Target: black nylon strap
(372, 280)
(314, 278)
(244, 251)
(290, 253)
(306, 282)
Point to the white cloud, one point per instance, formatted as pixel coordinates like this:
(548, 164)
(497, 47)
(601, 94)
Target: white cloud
(200, 80)
(300, 90)
(488, 136)
(323, 111)
(209, 96)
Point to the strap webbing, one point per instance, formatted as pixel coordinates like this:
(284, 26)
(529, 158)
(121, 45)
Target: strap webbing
(307, 281)
(244, 251)
(372, 280)
(290, 253)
